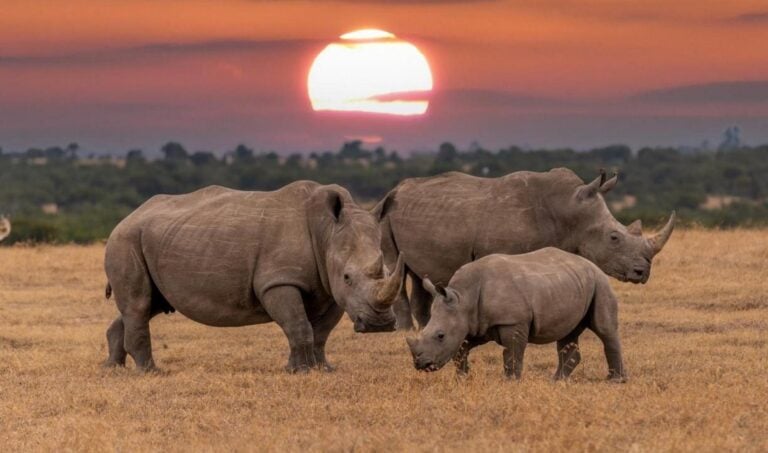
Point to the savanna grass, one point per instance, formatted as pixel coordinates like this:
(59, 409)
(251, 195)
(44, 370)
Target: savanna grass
(695, 342)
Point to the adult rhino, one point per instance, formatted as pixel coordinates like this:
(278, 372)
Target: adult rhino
(299, 256)
(443, 222)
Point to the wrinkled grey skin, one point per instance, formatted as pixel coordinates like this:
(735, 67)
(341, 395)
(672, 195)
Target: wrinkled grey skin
(443, 222)
(540, 297)
(5, 228)
(299, 256)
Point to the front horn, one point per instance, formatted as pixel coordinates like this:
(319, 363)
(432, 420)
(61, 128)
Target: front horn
(660, 239)
(392, 284)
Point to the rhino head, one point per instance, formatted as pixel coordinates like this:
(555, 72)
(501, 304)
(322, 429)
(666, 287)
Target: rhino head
(346, 239)
(620, 251)
(446, 330)
(5, 228)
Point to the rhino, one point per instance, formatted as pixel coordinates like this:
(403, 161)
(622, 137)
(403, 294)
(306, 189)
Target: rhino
(300, 256)
(441, 223)
(539, 297)
(5, 228)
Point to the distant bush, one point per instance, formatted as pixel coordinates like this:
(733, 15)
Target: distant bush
(87, 197)
(33, 230)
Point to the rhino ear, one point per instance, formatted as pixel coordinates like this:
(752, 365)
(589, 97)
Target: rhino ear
(588, 191)
(451, 296)
(382, 207)
(610, 184)
(335, 204)
(327, 201)
(434, 290)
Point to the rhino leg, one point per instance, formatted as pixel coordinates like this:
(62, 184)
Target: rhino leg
(137, 340)
(403, 311)
(568, 354)
(321, 329)
(514, 338)
(568, 357)
(605, 324)
(612, 348)
(115, 343)
(420, 302)
(461, 359)
(285, 306)
(133, 290)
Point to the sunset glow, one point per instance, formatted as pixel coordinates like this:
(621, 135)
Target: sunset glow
(365, 71)
(557, 73)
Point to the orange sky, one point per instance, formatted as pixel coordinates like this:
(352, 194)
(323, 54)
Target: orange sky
(115, 74)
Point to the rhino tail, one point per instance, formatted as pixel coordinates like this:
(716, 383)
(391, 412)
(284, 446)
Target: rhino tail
(108, 291)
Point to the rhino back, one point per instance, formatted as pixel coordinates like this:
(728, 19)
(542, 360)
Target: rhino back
(549, 288)
(212, 252)
(446, 221)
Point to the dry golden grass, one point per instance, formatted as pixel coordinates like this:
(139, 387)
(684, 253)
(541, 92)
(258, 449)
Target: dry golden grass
(695, 339)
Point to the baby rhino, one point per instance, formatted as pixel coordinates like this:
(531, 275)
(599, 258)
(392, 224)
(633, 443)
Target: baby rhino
(540, 297)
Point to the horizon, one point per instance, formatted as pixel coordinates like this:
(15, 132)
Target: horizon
(724, 145)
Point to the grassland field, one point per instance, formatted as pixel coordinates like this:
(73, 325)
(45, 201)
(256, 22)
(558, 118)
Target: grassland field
(695, 341)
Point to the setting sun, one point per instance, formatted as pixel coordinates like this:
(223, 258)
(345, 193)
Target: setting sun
(370, 71)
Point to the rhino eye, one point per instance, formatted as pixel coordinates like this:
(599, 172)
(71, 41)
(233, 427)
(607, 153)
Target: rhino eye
(348, 279)
(615, 238)
(440, 336)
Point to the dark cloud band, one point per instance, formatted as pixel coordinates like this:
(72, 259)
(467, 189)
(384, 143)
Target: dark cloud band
(107, 56)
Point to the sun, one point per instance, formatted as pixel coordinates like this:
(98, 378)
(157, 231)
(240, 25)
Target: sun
(370, 71)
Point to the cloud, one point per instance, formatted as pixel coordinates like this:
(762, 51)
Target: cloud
(473, 97)
(737, 92)
(391, 2)
(435, 2)
(170, 49)
(496, 98)
(415, 2)
(760, 17)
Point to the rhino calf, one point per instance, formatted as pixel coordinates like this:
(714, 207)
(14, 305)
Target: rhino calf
(540, 297)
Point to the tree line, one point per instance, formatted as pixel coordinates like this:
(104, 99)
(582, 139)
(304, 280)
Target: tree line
(57, 195)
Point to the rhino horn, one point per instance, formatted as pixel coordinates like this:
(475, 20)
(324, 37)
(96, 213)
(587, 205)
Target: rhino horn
(635, 228)
(391, 285)
(374, 269)
(658, 241)
(411, 342)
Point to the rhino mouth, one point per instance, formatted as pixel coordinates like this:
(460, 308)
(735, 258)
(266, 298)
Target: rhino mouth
(426, 366)
(636, 276)
(362, 326)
